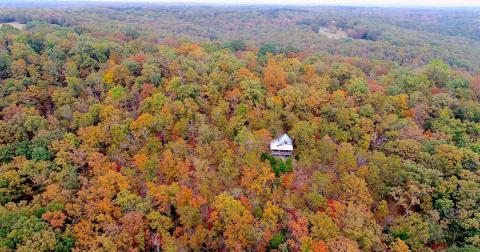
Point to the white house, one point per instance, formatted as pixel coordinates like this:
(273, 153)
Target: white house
(282, 146)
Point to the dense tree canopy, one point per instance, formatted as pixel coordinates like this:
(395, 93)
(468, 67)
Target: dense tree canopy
(114, 140)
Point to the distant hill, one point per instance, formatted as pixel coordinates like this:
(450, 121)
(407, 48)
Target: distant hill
(403, 35)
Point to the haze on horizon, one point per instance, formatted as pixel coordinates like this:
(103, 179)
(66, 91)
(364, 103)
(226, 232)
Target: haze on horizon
(430, 3)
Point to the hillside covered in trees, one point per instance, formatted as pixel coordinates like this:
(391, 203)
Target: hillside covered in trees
(147, 129)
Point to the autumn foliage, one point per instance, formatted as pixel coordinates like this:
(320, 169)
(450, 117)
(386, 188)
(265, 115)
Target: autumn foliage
(112, 139)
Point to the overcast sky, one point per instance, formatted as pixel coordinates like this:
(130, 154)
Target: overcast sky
(440, 3)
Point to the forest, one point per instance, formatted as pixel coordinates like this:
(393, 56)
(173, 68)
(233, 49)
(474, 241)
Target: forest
(147, 128)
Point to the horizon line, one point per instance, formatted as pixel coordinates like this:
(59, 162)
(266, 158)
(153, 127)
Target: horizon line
(248, 4)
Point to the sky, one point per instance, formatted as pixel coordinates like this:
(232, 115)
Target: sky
(437, 3)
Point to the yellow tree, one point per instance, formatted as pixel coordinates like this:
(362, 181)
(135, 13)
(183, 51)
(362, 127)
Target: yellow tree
(399, 246)
(232, 221)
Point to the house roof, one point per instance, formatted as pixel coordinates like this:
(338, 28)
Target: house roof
(283, 142)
